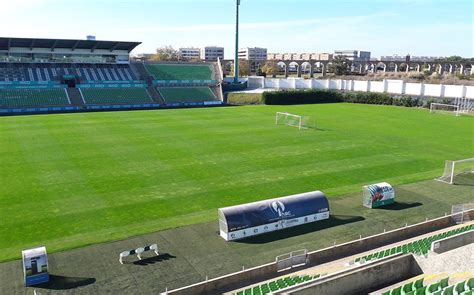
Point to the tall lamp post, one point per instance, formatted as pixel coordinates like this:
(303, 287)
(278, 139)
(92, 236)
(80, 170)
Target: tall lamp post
(236, 60)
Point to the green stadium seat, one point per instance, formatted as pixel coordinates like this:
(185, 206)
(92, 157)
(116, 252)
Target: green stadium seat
(443, 283)
(396, 291)
(181, 71)
(407, 287)
(433, 288)
(468, 292)
(460, 287)
(448, 290)
(421, 291)
(418, 283)
(420, 247)
(470, 284)
(386, 293)
(290, 281)
(187, 94)
(116, 95)
(274, 287)
(26, 97)
(282, 284)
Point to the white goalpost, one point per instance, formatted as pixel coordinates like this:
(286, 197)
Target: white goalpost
(458, 172)
(300, 122)
(445, 108)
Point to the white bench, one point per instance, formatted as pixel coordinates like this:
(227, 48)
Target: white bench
(139, 252)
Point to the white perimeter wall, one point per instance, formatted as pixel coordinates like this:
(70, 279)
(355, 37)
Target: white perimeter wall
(386, 86)
(375, 86)
(413, 88)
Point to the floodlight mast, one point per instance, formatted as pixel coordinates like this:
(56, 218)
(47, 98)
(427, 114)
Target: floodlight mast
(236, 59)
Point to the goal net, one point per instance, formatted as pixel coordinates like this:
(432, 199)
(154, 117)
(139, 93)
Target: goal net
(445, 108)
(301, 122)
(458, 172)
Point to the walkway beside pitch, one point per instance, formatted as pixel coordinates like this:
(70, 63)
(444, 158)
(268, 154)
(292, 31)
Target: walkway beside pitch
(191, 253)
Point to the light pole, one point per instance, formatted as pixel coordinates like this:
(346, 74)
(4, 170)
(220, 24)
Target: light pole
(236, 59)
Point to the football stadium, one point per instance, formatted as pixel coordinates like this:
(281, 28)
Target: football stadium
(140, 177)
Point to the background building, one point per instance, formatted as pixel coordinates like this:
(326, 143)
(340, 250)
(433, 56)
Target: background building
(142, 57)
(211, 53)
(353, 55)
(300, 56)
(255, 54)
(282, 56)
(189, 53)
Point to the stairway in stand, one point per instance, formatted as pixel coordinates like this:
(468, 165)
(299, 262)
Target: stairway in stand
(75, 96)
(155, 95)
(140, 71)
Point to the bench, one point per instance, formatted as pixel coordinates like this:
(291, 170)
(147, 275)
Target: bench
(139, 252)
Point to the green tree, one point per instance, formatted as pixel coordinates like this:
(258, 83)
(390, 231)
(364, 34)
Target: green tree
(340, 65)
(270, 68)
(454, 58)
(165, 53)
(244, 68)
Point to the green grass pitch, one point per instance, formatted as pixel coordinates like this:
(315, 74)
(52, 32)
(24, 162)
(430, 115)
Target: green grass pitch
(76, 179)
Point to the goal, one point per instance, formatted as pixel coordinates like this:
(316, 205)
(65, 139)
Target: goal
(301, 122)
(458, 172)
(444, 108)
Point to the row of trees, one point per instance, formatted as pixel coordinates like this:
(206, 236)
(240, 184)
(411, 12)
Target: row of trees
(456, 58)
(165, 53)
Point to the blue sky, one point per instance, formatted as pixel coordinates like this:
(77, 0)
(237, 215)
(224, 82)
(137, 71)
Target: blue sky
(385, 27)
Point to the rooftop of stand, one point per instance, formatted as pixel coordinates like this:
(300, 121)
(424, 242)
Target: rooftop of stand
(6, 43)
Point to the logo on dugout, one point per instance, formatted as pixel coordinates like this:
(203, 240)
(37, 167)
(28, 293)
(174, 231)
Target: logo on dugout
(279, 208)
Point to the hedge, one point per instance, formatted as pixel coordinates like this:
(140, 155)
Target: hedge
(368, 98)
(314, 96)
(331, 96)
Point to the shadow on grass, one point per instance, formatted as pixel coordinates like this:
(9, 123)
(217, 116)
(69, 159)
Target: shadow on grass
(318, 129)
(65, 283)
(465, 179)
(154, 259)
(397, 206)
(334, 220)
